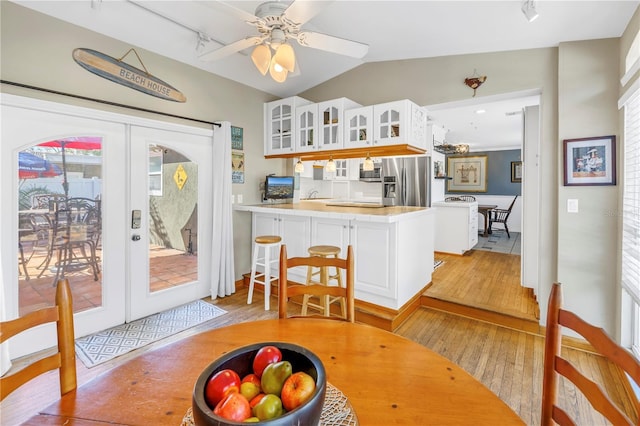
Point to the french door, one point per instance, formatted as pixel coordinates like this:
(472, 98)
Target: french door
(132, 248)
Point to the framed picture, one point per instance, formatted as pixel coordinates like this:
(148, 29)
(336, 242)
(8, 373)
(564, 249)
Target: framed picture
(237, 167)
(236, 138)
(468, 173)
(516, 171)
(590, 161)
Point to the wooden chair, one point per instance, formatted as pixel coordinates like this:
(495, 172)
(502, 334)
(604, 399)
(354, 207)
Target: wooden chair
(501, 216)
(65, 357)
(290, 289)
(555, 365)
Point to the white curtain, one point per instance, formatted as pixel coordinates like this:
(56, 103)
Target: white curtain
(5, 362)
(222, 272)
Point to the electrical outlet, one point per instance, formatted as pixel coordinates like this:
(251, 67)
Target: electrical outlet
(239, 198)
(572, 205)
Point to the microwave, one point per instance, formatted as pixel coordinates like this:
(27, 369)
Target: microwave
(374, 175)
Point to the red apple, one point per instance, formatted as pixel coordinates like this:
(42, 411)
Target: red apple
(265, 356)
(297, 389)
(220, 385)
(233, 407)
(256, 399)
(251, 378)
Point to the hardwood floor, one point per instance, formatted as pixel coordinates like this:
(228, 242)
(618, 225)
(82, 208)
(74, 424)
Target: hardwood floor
(507, 361)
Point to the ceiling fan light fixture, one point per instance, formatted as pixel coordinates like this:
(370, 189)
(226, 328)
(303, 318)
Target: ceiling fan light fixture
(277, 72)
(285, 57)
(261, 57)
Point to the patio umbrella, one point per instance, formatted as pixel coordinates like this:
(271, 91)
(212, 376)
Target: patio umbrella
(31, 167)
(81, 142)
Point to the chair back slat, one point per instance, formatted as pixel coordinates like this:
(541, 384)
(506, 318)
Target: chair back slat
(65, 357)
(289, 289)
(555, 365)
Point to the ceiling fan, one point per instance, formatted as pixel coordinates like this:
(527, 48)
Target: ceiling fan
(278, 23)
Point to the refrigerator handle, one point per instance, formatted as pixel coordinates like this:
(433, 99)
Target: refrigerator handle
(404, 186)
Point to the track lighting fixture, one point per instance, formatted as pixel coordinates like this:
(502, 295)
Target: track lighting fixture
(529, 10)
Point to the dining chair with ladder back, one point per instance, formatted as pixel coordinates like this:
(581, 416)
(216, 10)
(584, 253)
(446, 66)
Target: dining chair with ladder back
(65, 357)
(555, 365)
(501, 216)
(289, 289)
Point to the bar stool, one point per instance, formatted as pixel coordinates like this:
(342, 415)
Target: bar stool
(266, 243)
(325, 277)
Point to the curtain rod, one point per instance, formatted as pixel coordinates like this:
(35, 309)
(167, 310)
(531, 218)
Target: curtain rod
(85, 98)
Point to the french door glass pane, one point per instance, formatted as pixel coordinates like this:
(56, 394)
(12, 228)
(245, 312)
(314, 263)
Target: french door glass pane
(173, 219)
(60, 222)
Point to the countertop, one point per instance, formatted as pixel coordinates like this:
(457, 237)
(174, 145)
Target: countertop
(321, 209)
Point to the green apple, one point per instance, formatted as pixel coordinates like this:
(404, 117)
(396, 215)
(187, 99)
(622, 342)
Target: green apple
(269, 407)
(249, 390)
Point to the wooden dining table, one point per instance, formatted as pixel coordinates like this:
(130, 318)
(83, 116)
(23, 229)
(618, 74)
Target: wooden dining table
(485, 211)
(386, 378)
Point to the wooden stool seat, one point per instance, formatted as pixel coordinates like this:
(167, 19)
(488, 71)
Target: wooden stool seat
(324, 279)
(264, 243)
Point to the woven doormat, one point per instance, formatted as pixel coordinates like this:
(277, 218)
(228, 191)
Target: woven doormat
(108, 344)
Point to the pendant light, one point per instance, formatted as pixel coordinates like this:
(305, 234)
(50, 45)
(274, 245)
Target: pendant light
(331, 165)
(299, 167)
(368, 164)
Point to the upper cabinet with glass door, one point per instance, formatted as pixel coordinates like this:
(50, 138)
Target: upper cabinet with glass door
(400, 122)
(331, 114)
(358, 127)
(280, 125)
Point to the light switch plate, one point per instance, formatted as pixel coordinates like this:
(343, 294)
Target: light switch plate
(572, 205)
(239, 197)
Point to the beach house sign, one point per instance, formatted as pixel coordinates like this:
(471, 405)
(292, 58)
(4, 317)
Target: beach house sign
(122, 73)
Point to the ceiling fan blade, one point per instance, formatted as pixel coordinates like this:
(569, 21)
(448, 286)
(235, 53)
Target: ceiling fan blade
(230, 49)
(240, 13)
(302, 11)
(333, 44)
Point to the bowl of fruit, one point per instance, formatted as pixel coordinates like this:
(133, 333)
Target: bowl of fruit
(274, 383)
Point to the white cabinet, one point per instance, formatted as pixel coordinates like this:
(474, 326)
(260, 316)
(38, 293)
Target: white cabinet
(358, 127)
(393, 259)
(456, 226)
(279, 123)
(400, 122)
(330, 126)
(307, 126)
(375, 245)
(320, 126)
(295, 232)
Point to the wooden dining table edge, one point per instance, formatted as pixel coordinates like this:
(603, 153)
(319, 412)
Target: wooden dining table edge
(358, 398)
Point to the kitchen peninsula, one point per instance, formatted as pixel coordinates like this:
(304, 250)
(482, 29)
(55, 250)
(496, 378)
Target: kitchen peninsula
(393, 246)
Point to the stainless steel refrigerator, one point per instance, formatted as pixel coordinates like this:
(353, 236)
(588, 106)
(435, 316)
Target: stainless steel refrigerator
(406, 181)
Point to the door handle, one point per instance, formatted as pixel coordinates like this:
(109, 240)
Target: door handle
(135, 237)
